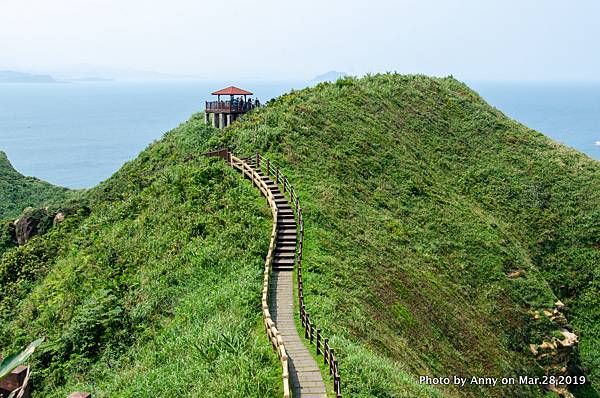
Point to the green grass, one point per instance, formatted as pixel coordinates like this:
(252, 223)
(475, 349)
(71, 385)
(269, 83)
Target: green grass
(18, 192)
(153, 287)
(419, 198)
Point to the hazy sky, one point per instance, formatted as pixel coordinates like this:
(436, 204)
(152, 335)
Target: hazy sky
(282, 39)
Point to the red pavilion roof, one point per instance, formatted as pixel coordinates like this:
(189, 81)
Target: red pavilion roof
(231, 90)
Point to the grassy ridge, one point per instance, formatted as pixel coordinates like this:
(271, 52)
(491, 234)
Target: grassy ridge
(18, 192)
(155, 289)
(419, 199)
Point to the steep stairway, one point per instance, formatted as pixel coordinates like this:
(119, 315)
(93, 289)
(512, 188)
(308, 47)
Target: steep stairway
(300, 373)
(305, 376)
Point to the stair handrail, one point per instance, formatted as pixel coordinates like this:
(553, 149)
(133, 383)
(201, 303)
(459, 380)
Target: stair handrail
(311, 332)
(272, 332)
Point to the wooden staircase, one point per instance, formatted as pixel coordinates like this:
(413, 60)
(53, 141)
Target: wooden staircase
(305, 376)
(301, 375)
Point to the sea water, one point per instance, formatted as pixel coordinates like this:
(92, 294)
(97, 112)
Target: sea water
(78, 134)
(566, 112)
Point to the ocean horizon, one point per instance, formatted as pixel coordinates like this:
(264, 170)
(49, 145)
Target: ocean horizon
(78, 134)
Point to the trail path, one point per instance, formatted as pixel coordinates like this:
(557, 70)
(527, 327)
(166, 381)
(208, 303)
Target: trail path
(305, 376)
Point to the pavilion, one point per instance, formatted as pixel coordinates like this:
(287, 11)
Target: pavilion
(225, 112)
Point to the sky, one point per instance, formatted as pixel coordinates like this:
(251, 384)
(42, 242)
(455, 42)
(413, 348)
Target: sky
(501, 40)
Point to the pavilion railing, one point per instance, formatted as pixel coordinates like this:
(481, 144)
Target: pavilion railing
(230, 106)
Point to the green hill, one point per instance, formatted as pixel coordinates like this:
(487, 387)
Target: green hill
(151, 286)
(18, 192)
(438, 232)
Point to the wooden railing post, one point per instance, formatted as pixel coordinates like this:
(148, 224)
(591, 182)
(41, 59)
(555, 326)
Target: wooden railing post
(318, 344)
(325, 351)
(306, 325)
(331, 353)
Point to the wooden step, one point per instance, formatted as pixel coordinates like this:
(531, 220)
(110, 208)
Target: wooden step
(283, 263)
(285, 227)
(292, 236)
(286, 268)
(285, 249)
(286, 241)
(283, 255)
(287, 231)
(285, 219)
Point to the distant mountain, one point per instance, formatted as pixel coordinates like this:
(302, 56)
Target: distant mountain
(86, 72)
(330, 76)
(8, 76)
(92, 79)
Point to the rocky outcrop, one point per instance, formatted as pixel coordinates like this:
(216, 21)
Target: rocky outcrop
(58, 218)
(555, 353)
(32, 222)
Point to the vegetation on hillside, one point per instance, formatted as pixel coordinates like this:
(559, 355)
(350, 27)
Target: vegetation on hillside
(437, 231)
(152, 287)
(18, 192)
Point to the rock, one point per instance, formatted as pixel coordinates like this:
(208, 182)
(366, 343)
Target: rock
(514, 274)
(58, 218)
(535, 314)
(533, 349)
(555, 355)
(31, 222)
(561, 391)
(570, 339)
(547, 345)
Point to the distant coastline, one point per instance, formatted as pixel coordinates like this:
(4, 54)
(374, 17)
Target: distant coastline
(9, 76)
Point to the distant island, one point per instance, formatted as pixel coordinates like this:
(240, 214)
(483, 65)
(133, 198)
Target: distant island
(8, 76)
(84, 73)
(91, 79)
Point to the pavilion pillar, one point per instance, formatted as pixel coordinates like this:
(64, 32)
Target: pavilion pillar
(229, 118)
(206, 118)
(222, 120)
(216, 120)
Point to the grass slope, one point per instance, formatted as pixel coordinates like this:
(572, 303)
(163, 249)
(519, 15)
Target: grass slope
(419, 198)
(152, 288)
(18, 192)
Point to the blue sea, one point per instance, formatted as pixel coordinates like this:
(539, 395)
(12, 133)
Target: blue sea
(567, 112)
(78, 134)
